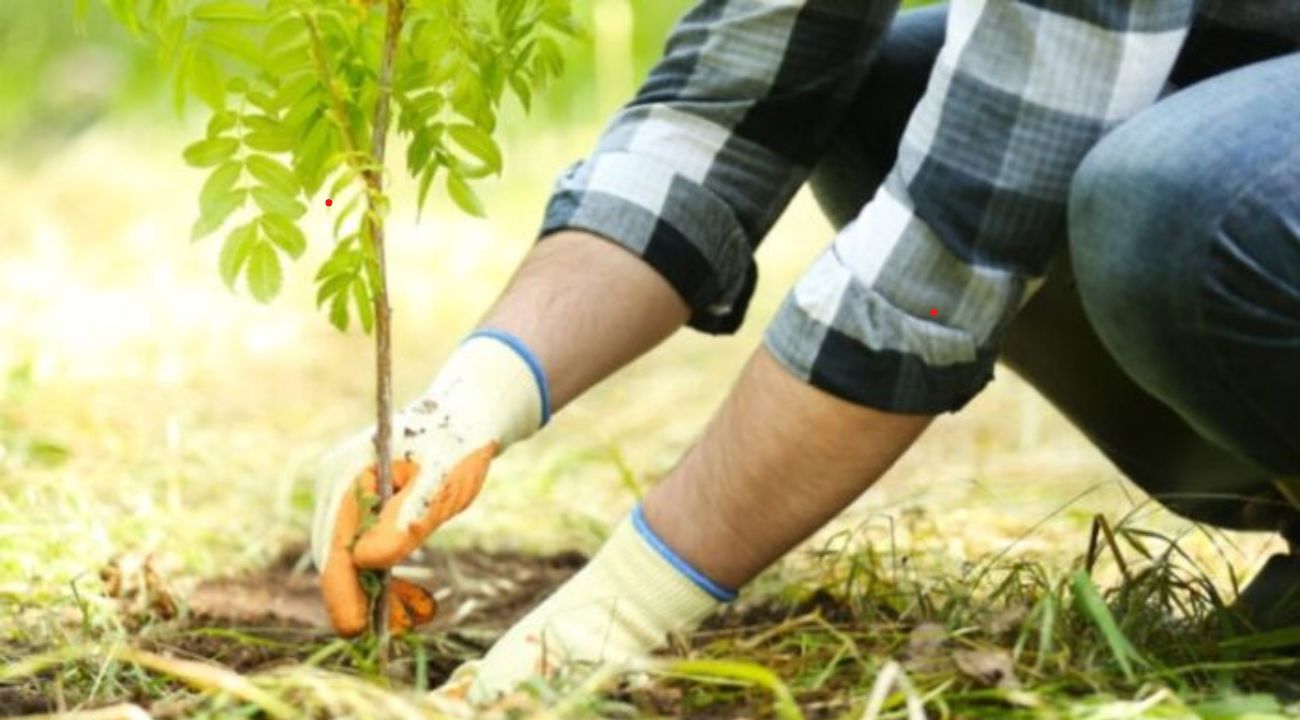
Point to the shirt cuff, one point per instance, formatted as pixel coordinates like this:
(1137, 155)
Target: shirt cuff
(681, 229)
(834, 357)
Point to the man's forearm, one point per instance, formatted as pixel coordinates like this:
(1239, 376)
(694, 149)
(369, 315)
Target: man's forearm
(585, 307)
(778, 461)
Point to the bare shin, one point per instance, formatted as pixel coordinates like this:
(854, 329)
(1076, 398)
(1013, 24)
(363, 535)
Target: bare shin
(777, 462)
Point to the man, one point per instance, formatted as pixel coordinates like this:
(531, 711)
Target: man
(1147, 283)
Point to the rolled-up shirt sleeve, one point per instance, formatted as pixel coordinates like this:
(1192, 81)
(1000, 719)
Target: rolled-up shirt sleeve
(905, 310)
(694, 171)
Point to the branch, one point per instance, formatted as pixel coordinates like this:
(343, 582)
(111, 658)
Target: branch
(383, 334)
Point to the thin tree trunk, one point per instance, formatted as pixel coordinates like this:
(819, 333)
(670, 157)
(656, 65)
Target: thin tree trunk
(383, 332)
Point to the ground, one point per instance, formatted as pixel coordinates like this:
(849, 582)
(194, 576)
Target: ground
(157, 433)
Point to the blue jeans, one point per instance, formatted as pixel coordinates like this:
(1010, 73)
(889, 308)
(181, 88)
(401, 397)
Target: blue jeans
(1168, 329)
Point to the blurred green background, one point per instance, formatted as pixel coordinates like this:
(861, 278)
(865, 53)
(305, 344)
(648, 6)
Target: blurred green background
(58, 77)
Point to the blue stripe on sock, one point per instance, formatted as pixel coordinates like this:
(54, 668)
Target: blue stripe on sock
(719, 593)
(514, 343)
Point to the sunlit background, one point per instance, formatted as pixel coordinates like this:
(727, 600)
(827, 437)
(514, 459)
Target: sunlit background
(146, 409)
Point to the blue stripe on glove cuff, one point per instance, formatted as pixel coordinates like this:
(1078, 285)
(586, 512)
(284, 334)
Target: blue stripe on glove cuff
(514, 343)
(718, 592)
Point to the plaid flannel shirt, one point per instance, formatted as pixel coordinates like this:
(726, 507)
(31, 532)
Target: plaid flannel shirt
(696, 169)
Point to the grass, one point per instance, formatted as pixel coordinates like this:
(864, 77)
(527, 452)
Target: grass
(147, 414)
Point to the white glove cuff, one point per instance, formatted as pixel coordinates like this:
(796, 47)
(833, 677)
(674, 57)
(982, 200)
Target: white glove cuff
(493, 387)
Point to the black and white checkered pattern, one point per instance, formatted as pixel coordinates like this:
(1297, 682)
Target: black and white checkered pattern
(695, 170)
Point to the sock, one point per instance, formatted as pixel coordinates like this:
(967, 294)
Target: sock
(618, 608)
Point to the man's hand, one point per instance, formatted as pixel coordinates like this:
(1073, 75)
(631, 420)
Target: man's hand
(617, 609)
(436, 478)
(490, 393)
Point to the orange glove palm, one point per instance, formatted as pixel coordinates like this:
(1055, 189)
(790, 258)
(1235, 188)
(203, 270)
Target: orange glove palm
(387, 542)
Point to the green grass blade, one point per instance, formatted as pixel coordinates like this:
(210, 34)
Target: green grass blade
(1094, 607)
(783, 701)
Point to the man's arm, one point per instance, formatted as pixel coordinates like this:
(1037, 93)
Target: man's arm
(693, 172)
(586, 308)
(682, 186)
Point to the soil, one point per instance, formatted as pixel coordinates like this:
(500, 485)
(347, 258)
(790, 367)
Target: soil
(485, 590)
(275, 616)
(479, 593)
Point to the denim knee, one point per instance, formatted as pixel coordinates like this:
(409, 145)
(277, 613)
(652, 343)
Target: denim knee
(1128, 213)
(1188, 268)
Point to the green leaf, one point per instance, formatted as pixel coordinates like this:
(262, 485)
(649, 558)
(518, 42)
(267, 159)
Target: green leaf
(426, 105)
(304, 113)
(219, 184)
(285, 234)
(331, 286)
(339, 311)
(273, 175)
(206, 81)
(345, 212)
(292, 90)
(220, 123)
(520, 86)
(426, 179)
(287, 59)
(263, 274)
(365, 308)
(277, 203)
(234, 253)
(267, 135)
(345, 260)
(233, 41)
(343, 179)
(206, 153)
(464, 196)
(508, 12)
(171, 37)
(312, 155)
(287, 33)
(420, 150)
(180, 75)
(214, 214)
(549, 49)
(262, 100)
(226, 11)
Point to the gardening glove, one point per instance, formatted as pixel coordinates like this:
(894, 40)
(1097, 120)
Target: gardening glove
(618, 608)
(489, 394)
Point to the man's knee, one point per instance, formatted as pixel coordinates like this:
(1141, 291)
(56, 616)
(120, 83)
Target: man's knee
(1127, 218)
(1187, 270)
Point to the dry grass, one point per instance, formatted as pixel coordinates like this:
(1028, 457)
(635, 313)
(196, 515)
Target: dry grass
(188, 415)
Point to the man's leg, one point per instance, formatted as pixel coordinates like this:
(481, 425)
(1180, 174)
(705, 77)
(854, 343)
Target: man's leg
(1185, 237)
(1050, 343)
(778, 461)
